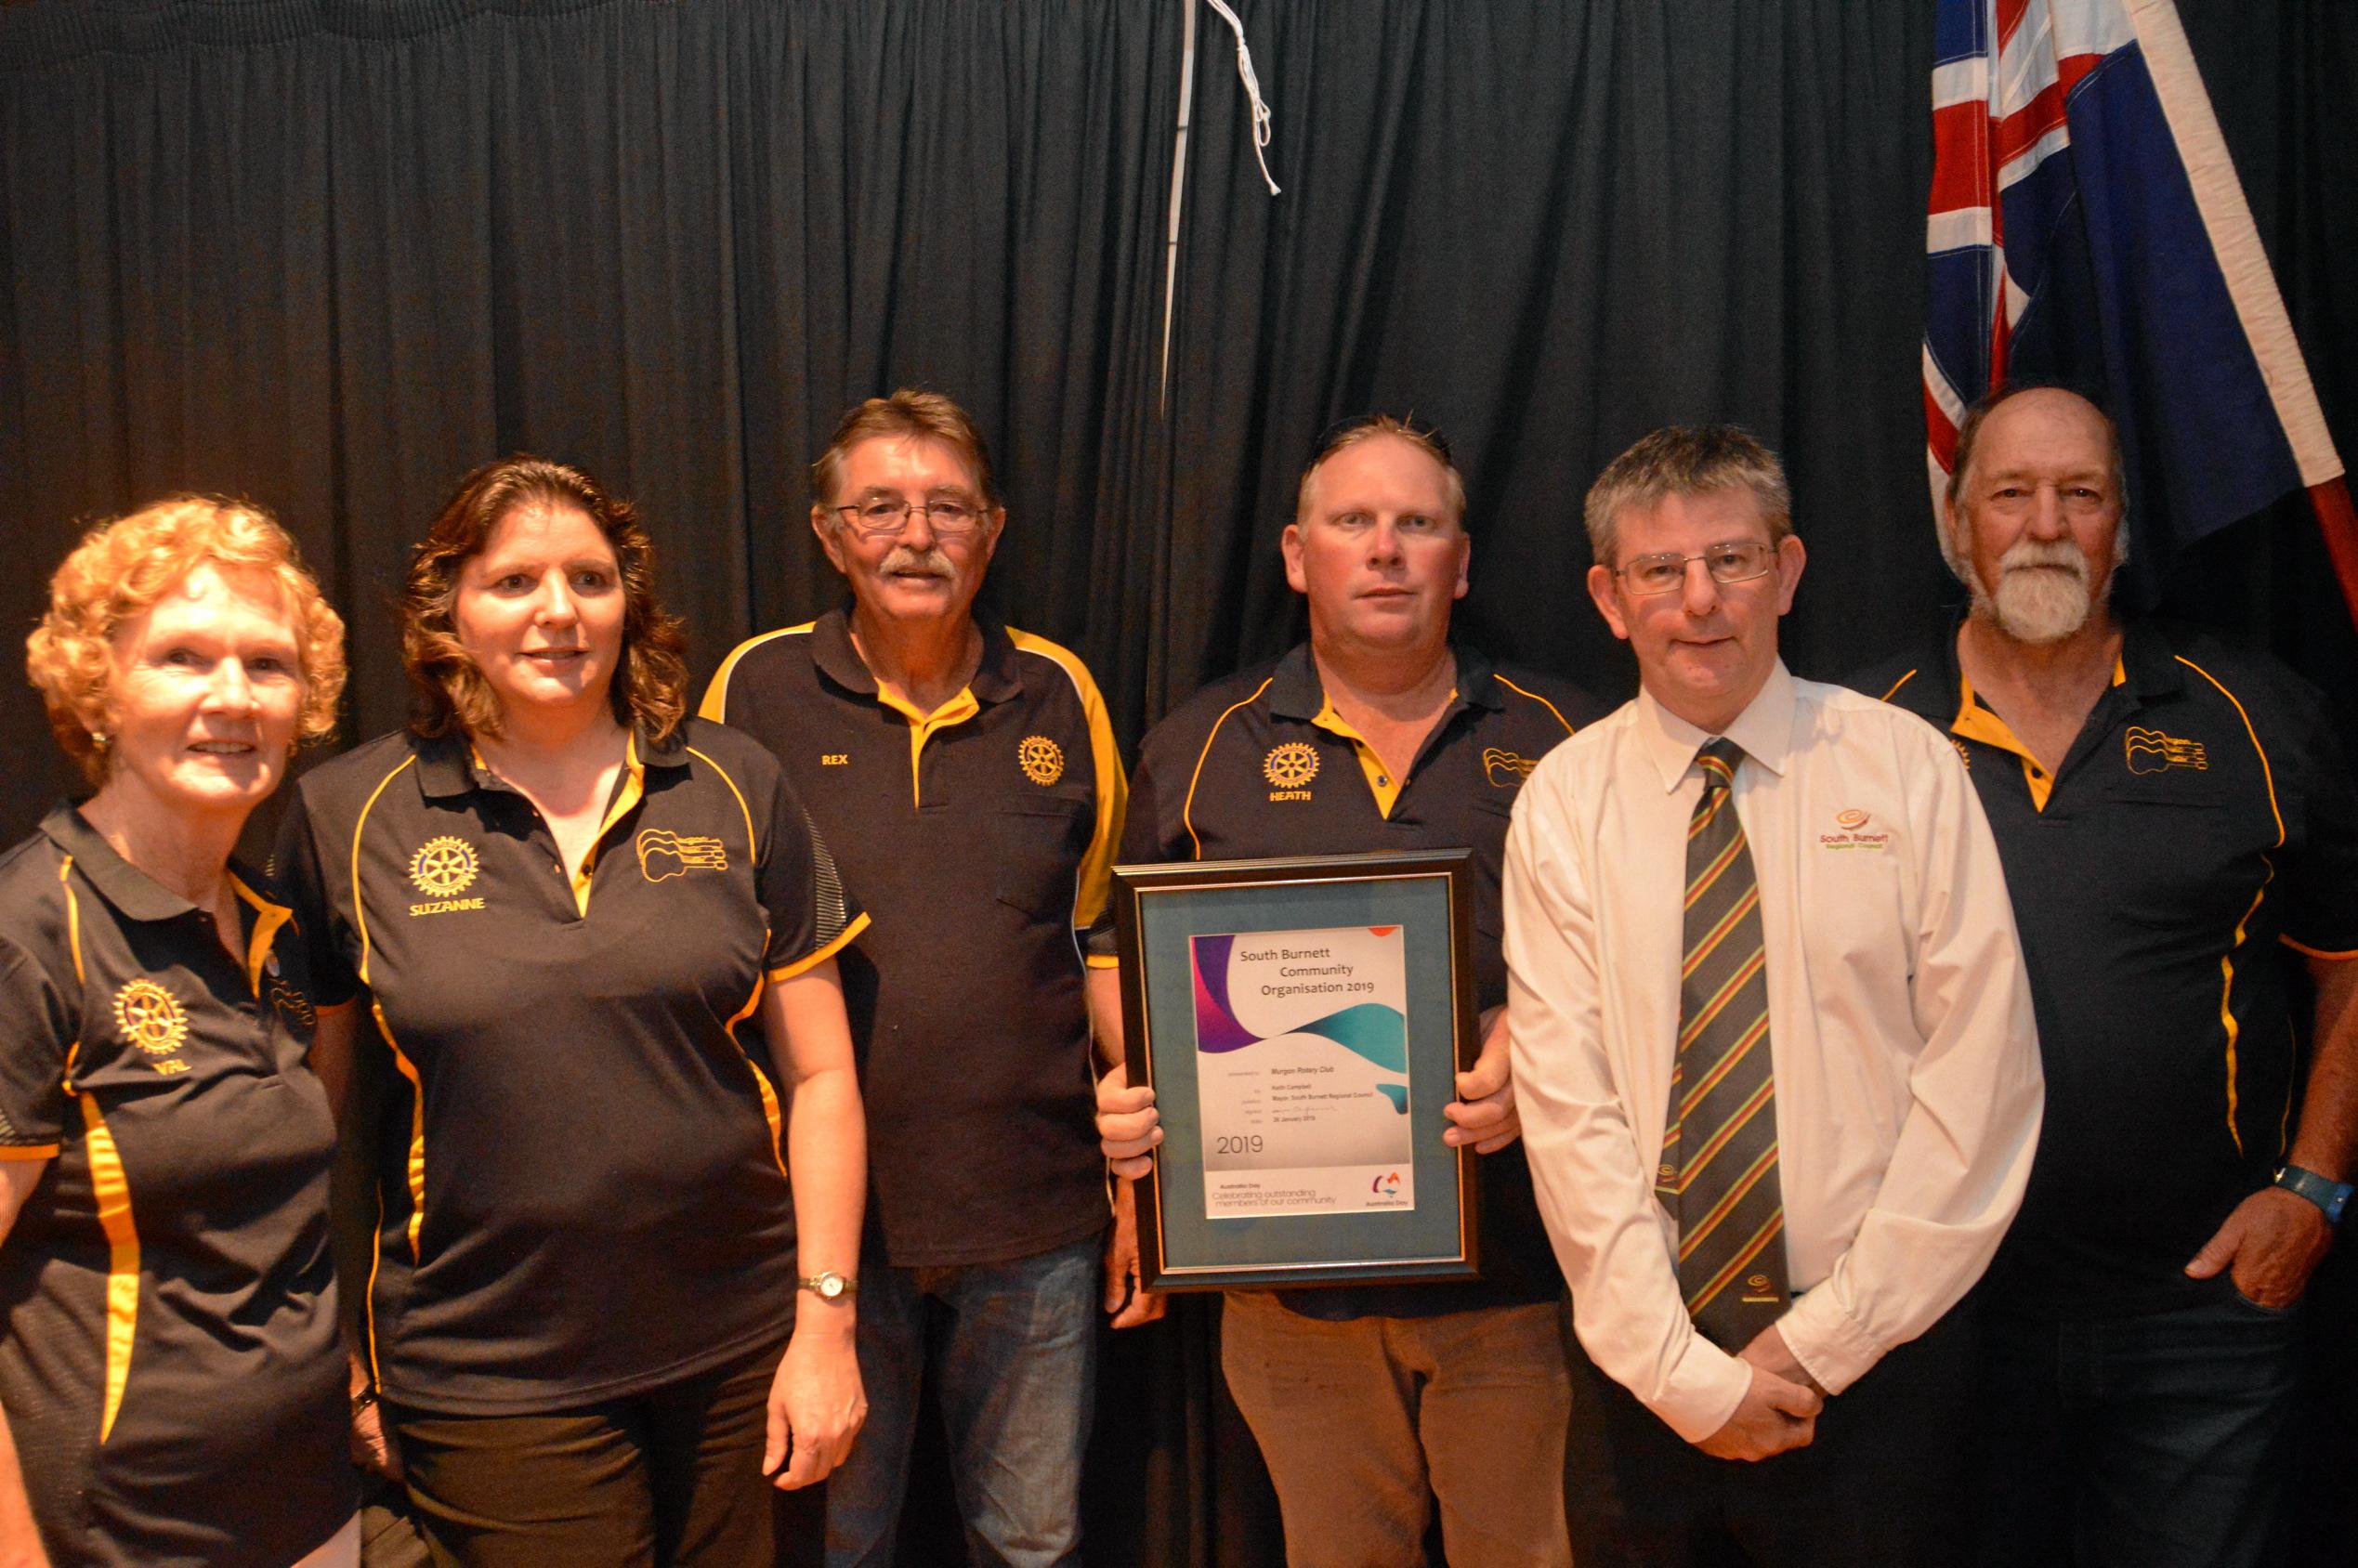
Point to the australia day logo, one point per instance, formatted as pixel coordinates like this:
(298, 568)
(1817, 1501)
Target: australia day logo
(1302, 1070)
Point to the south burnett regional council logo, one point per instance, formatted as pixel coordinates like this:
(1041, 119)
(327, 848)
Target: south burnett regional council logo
(1291, 765)
(443, 867)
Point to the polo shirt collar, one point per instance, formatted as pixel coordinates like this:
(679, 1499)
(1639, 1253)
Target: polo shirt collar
(122, 885)
(2146, 671)
(2150, 670)
(445, 766)
(997, 678)
(1297, 692)
(1765, 730)
(446, 763)
(132, 892)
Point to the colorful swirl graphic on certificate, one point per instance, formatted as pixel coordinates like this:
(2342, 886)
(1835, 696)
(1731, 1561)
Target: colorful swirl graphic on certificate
(1302, 1071)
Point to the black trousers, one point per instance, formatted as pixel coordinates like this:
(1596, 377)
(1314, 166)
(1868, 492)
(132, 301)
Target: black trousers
(1883, 1484)
(666, 1479)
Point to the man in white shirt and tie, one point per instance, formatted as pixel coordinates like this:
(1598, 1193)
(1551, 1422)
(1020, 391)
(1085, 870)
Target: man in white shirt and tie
(1774, 1050)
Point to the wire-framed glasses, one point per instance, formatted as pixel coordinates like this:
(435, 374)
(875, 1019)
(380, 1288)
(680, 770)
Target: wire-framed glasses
(1738, 560)
(880, 515)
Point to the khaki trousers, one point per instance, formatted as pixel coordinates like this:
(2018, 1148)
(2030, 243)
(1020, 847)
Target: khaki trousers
(1365, 1423)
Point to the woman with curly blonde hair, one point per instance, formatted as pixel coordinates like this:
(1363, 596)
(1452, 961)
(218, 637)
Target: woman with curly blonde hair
(171, 1384)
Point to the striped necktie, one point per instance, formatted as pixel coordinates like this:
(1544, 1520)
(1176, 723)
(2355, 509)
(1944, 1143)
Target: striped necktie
(1717, 1176)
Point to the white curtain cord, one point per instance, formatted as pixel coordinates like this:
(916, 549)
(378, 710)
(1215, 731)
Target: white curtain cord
(1251, 87)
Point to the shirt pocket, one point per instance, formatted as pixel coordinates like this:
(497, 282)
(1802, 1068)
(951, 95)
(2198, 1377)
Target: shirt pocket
(2184, 789)
(1038, 844)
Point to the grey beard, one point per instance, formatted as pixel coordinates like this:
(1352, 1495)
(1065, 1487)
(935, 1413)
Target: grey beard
(2034, 606)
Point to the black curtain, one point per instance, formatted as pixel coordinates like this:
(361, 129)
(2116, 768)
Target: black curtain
(1549, 229)
(330, 254)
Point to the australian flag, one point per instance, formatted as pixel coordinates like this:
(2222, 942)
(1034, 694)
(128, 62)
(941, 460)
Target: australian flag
(2087, 228)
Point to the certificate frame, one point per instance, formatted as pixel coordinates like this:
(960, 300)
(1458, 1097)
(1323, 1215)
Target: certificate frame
(1190, 1236)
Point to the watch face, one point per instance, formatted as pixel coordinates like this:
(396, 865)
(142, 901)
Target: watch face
(831, 1286)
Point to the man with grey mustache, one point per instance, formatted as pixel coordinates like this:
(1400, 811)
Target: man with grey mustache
(969, 771)
(2179, 833)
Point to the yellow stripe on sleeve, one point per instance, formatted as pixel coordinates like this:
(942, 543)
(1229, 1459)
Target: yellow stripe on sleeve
(809, 961)
(360, 905)
(1187, 806)
(753, 844)
(715, 704)
(2305, 948)
(1537, 698)
(2267, 773)
(1096, 881)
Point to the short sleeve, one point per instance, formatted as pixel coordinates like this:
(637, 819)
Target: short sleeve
(301, 878)
(812, 916)
(38, 1023)
(2321, 910)
(1142, 839)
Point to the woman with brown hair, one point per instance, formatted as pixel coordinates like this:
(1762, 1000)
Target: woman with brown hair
(169, 1372)
(560, 901)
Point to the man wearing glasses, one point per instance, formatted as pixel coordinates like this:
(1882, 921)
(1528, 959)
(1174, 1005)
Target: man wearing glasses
(1774, 1047)
(970, 774)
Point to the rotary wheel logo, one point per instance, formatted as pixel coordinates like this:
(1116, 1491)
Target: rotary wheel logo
(1291, 765)
(443, 867)
(1042, 759)
(150, 1019)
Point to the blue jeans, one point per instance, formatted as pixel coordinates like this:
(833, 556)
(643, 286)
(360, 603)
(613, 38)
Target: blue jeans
(2160, 1440)
(1012, 1350)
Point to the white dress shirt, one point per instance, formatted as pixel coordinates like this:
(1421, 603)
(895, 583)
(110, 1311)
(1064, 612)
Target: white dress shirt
(1907, 1061)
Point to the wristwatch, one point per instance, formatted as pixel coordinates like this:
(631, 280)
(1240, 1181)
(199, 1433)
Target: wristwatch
(2324, 1191)
(828, 1286)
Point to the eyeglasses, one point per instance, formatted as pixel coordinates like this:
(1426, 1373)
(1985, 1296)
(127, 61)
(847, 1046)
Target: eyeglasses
(881, 519)
(1738, 560)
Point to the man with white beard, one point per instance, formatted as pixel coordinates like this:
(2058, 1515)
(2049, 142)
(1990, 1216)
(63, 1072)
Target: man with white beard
(2179, 832)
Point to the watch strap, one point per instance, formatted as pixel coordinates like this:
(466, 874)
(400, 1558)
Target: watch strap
(2324, 1191)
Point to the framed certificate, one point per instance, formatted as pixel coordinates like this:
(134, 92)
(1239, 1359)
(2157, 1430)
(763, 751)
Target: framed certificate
(1302, 1021)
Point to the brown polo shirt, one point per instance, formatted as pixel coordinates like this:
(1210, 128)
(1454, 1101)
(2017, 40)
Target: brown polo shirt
(2199, 836)
(981, 837)
(579, 1192)
(1260, 763)
(168, 1350)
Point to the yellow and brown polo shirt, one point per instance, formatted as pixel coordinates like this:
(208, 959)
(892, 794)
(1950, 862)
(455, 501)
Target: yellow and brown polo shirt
(168, 1352)
(1261, 763)
(2200, 835)
(981, 835)
(580, 1188)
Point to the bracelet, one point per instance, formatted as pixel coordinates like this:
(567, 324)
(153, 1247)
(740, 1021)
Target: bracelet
(365, 1400)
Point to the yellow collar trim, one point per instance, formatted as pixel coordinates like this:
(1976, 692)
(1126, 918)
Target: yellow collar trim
(1381, 783)
(1975, 722)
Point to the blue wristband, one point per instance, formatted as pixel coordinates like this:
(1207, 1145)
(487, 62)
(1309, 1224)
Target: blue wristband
(2324, 1191)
